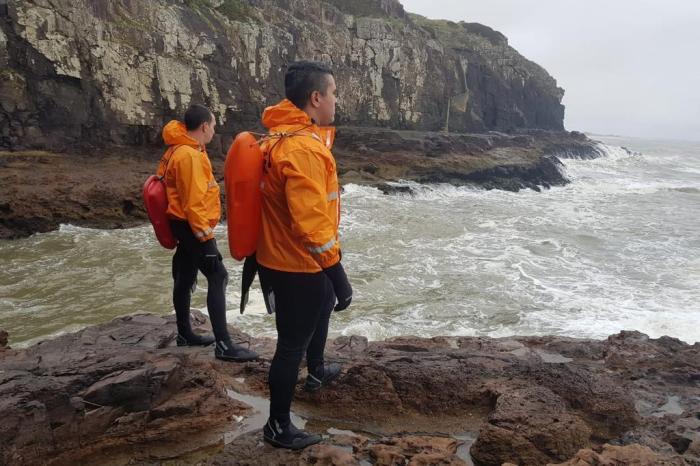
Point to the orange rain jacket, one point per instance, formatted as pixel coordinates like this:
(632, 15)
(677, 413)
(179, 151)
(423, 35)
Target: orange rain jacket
(193, 193)
(300, 195)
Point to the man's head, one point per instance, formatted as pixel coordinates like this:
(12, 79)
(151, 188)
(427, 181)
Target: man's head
(200, 123)
(311, 87)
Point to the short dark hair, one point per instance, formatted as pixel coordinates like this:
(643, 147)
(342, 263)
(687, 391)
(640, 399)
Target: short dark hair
(303, 78)
(196, 115)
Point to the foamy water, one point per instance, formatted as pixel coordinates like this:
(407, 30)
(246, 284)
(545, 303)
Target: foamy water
(616, 249)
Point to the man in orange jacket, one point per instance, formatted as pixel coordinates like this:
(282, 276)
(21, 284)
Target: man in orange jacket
(298, 251)
(194, 208)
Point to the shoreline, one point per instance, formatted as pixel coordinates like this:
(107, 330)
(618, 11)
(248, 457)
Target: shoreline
(123, 388)
(101, 188)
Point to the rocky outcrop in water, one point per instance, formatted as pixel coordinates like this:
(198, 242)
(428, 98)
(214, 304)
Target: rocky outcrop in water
(124, 391)
(104, 192)
(112, 72)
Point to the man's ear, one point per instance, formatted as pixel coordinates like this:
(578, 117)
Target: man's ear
(315, 98)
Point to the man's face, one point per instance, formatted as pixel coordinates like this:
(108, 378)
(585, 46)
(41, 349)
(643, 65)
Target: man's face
(327, 100)
(208, 130)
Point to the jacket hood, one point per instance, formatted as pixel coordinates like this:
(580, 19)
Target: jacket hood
(285, 113)
(175, 132)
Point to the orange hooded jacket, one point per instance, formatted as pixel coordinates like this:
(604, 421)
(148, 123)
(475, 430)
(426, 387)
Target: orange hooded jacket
(300, 193)
(193, 193)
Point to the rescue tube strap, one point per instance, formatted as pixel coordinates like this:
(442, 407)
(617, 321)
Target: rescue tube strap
(167, 162)
(250, 269)
(322, 249)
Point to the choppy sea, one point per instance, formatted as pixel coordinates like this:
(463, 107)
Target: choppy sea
(616, 249)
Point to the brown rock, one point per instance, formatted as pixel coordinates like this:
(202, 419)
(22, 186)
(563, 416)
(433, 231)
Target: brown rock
(387, 455)
(328, 455)
(530, 426)
(416, 451)
(122, 390)
(636, 455)
(103, 387)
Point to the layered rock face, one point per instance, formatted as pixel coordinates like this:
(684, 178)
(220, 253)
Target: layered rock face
(101, 71)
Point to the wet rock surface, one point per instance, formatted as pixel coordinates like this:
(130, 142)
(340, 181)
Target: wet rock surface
(123, 391)
(627, 455)
(101, 188)
(41, 190)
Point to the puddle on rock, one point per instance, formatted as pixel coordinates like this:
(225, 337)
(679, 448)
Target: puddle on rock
(552, 358)
(467, 439)
(261, 411)
(672, 406)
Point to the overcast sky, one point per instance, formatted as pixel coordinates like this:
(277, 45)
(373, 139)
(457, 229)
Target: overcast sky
(629, 67)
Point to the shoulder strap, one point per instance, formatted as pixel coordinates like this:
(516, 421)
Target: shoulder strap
(171, 151)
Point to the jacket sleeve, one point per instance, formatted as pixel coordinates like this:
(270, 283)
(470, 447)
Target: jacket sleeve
(192, 186)
(307, 199)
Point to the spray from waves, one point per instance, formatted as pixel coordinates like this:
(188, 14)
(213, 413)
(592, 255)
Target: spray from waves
(599, 255)
(616, 152)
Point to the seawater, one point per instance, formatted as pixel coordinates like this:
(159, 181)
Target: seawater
(616, 249)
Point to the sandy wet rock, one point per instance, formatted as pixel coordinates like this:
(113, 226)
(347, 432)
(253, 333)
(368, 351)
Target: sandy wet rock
(623, 455)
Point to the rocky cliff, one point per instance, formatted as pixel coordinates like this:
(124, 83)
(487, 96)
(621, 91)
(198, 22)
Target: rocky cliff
(112, 71)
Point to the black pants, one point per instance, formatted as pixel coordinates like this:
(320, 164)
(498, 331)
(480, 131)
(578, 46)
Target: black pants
(302, 303)
(186, 263)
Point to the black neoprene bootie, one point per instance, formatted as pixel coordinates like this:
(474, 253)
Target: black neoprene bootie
(194, 340)
(226, 350)
(288, 436)
(321, 377)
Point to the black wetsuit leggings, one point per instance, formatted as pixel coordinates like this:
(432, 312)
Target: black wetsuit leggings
(186, 263)
(302, 303)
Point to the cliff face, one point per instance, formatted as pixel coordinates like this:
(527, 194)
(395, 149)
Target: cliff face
(112, 71)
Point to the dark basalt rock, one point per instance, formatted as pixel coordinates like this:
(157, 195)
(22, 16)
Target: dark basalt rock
(544, 174)
(394, 189)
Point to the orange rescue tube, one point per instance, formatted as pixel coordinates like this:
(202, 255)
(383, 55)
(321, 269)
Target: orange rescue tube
(242, 176)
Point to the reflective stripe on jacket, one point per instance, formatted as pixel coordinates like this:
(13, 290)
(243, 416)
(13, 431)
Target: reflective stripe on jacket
(300, 194)
(193, 193)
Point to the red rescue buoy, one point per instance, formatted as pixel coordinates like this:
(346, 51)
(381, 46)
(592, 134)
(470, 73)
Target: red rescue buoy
(155, 201)
(242, 176)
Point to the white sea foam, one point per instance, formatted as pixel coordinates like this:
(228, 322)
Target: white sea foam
(616, 249)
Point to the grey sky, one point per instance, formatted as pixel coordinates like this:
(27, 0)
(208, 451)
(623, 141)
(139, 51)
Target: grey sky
(629, 67)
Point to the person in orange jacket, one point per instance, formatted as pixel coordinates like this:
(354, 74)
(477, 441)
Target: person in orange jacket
(298, 252)
(194, 208)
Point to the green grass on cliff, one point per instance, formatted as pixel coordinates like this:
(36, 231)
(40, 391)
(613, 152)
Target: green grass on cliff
(236, 10)
(450, 34)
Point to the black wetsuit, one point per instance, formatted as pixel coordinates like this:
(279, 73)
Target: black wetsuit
(186, 262)
(302, 303)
